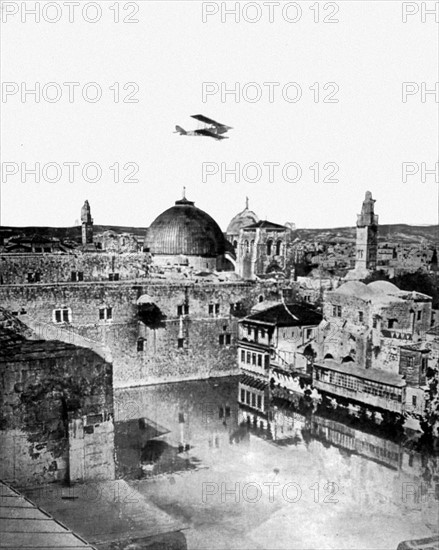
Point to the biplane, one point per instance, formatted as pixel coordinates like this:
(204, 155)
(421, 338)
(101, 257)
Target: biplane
(212, 128)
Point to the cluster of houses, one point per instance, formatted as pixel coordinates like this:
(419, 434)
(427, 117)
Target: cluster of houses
(371, 346)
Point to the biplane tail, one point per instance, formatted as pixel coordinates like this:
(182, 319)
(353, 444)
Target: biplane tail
(180, 130)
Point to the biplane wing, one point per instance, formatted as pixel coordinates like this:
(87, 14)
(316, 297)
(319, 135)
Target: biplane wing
(208, 133)
(207, 120)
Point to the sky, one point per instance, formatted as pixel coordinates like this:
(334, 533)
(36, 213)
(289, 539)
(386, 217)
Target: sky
(352, 126)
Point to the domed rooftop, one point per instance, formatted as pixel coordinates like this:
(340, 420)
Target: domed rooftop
(243, 219)
(384, 287)
(376, 291)
(355, 288)
(185, 230)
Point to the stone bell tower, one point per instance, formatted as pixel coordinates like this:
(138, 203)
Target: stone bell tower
(367, 236)
(87, 224)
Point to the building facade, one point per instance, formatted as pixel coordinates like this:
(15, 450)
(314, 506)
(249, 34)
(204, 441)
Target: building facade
(280, 337)
(262, 249)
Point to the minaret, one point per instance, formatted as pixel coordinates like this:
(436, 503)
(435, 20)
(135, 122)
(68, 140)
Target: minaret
(367, 236)
(87, 224)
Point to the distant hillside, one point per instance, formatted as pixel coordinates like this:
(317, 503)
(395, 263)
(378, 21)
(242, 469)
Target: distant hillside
(400, 233)
(63, 233)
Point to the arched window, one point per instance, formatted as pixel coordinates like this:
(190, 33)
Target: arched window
(235, 244)
(309, 352)
(252, 244)
(278, 248)
(246, 246)
(269, 247)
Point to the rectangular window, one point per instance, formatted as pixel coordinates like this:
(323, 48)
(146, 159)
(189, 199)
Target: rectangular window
(248, 357)
(111, 276)
(391, 323)
(247, 397)
(210, 309)
(267, 361)
(419, 316)
(105, 313)
(259, 402)
(221, 339)
(186, 309)
(180, 342)
(217, 308)
(30, 277)
(242, 356)
(61, 315)
(73, 277)
(242, 395)
(253, 358)
(80, 276)
(179, 310)
(259, 360)
(253, 400)
(374, 322)
(414, 400)
(338, 311)
(116, 276)
(228, 339)
(140, 344)
(360, 316)
(249, 331)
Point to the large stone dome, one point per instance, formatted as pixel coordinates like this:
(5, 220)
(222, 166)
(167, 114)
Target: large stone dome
(185, 230)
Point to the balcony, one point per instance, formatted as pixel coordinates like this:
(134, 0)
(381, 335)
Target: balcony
(253, 345)
(359, 396)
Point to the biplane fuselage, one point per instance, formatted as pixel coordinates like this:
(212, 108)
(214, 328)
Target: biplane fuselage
(211, 128)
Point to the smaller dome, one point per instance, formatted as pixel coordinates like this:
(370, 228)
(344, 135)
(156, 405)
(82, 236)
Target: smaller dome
(383, 287)
(357, 289)
(243, 219)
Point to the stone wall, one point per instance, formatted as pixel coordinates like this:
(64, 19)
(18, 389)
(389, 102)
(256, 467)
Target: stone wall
(58, 268)
(46, 390)
(375, 340)
(202, 353)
